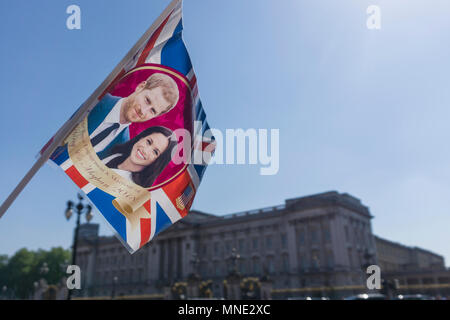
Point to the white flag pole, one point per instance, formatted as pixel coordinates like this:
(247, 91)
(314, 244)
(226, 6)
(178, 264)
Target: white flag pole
(67, 128)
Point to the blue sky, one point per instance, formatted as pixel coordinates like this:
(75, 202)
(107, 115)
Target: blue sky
(359, 111)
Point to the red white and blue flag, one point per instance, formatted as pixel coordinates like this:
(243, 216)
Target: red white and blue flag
(121, 155)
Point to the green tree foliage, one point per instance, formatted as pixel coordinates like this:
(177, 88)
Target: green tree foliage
(3, 274)
(20, 271)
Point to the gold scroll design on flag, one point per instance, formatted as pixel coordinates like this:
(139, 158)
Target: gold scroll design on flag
(129, 197)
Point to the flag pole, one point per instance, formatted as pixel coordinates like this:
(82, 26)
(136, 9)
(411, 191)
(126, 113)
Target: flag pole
(83, 111)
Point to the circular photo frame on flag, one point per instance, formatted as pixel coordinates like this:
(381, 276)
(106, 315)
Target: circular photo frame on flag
(127, 144)
(176, 112)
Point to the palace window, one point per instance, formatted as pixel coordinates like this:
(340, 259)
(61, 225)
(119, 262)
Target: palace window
(283, 241)
(315, 259)
(303, 262)
(269, 242)
(217, 269)
(314, 235)
(285, 263)
(216, 248)
(241, 245)
(330, 259)
(327, 235)
(228, 246)
(301, 237)
(270, 265)
(255, 243)
(256, 266)
(242, 268)
(347, 236)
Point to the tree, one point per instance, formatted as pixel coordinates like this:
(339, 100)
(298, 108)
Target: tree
(55, 259)
(24, 268)
(20, 273)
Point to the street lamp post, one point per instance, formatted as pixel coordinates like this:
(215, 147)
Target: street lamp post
(234, 260)
(35, 288)
(41, 283)
(64, 265)
(4, 289)
(44, 269)
(80, 209)
(113, 293)
(195, 262)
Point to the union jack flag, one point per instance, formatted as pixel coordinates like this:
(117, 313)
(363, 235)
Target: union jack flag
(172, 201)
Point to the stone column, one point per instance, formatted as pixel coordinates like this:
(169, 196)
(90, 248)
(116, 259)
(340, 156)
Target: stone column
(185, 256)
(338, 241)
(166, 259)
(179, 259)
(161, 259)
(90, 269)
(292, 248)
(170, 260)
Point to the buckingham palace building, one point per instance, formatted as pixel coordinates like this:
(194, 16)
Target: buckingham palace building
(314, 245)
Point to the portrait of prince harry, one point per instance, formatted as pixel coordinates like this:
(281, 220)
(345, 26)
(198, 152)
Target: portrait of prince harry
(109, 120)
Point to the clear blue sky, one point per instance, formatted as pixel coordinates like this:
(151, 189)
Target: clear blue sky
(359, 111)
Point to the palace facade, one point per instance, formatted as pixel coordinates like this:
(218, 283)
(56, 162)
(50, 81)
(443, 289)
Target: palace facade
(313, 245)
